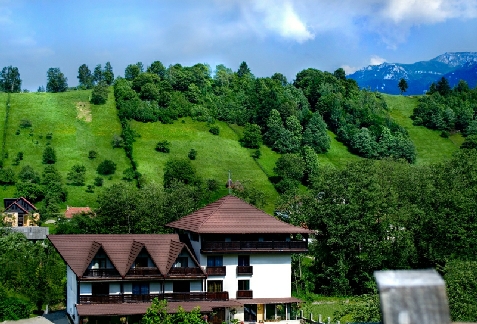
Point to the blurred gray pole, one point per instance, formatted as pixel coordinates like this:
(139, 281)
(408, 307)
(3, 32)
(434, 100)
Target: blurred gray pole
(412, 296)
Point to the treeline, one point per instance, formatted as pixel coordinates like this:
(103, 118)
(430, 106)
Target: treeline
(288, 116)
(375, 215)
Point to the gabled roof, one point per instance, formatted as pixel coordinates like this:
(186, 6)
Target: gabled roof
(78, 250)
(71, 211)
(8, 202)
(232, 215)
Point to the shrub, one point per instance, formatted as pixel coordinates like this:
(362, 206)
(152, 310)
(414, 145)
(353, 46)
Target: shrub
(77, 175)
(49, 136)
(212, 184)
(445, 134)
(106, 167)
(90, 188)
(99, 96)
(17, 132)
(192, 154)
(214, 130)
(129, 174)
(25, 123)
(13, 308)
(117, 141)
(163, 146)
(92, 155)
(98, 181)
(49, 155)
(256, 154)
(179, 170)
(252, 136)
(286, 184)
(20, 155)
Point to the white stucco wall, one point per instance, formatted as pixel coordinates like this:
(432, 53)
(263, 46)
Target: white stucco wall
(71, 294)
(270, 279)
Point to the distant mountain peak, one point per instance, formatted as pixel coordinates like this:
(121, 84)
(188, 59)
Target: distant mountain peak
(385, 77)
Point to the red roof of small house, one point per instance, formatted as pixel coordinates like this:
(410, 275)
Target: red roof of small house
(232, 215)
(71, 211)
(78, 250)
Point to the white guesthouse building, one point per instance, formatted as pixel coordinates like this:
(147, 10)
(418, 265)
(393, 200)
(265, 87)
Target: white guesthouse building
(229, 258)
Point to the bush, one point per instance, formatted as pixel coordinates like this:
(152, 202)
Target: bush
(77, 175)
(286, 184)
(163, 146)
(106, 167)
(25, 123)
(214, 130)
(99, 96)
(13, 308)
(49, 155)
(92, 155)
(90, 188)
(212, 184)
(98, 181)
(445, 134)
(252, 136)
(129, 174)
(192, 154)
(256, 154)
(117, 141)
(49, 136)
(179, 170)
(20, 156)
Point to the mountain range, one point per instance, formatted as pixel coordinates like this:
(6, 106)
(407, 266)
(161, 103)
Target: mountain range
(454, 66)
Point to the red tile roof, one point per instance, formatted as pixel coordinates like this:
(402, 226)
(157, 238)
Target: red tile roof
(231, 215)
(78, 250)
(71, 211)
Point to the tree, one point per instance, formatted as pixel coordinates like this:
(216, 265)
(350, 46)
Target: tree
(177, 169)
(85, 77)
(108, 75)
(340, 74)
(243, 70)
(49, 155)
(252, 136)
(98, 74)
(316, 135)
(99, 95)
(443, 87)
(56, 81)
(10, 79)
(157, 68)
(290, 166)
(77, 175)
(132, 71)
(106, 167)
(402, 85)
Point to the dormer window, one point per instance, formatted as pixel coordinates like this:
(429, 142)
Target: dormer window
(141, 262)
(181, 262)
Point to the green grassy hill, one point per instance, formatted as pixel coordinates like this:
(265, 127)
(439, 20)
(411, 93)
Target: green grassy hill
(430, 146)
(78, 127)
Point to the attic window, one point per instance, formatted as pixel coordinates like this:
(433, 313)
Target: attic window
(181, 262)
(141, 262)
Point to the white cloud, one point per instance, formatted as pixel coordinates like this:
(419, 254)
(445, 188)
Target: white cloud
(349, 69)
(376, 60)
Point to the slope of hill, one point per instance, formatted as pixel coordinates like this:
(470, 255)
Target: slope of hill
(430, 146)
(76, 127)
(385, 77)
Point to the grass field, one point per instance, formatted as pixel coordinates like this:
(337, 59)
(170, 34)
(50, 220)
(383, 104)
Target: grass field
(76, 127)
(430, 146)
(216, 155)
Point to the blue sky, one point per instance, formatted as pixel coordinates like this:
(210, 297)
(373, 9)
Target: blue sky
(283, 36)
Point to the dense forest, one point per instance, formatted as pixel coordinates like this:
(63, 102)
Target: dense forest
(381, 212)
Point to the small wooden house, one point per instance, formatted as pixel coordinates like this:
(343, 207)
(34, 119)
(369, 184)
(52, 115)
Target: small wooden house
(20, 212)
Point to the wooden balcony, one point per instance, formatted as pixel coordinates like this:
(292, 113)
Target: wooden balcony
(128, 298)
(101, 273)
(144, 272)
(245, 270)
(216, 271)
(253, 246)
(244, 294)
(186, 271)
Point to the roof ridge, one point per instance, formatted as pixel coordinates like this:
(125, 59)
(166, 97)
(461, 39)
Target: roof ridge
(224, 199)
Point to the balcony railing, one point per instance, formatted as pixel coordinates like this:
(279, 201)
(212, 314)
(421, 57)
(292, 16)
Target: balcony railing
(144, 272)
(101, 273)
(245, 270)
(244, 294)
(128, 298)
(185, 271)
(251, 246)
(216, 271)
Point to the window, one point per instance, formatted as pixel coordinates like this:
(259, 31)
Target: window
(244, 260)
(100, 288)
(140, 288)
(250, 312)
(215, 286)
(244, 285)
(181, 262)
(215, 261)
(98, 263)
(181, 286)
(141, 262)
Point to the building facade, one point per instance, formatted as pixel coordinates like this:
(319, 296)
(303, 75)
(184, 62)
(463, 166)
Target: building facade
(229, 258)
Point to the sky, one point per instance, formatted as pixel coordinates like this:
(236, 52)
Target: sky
(272, 36)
